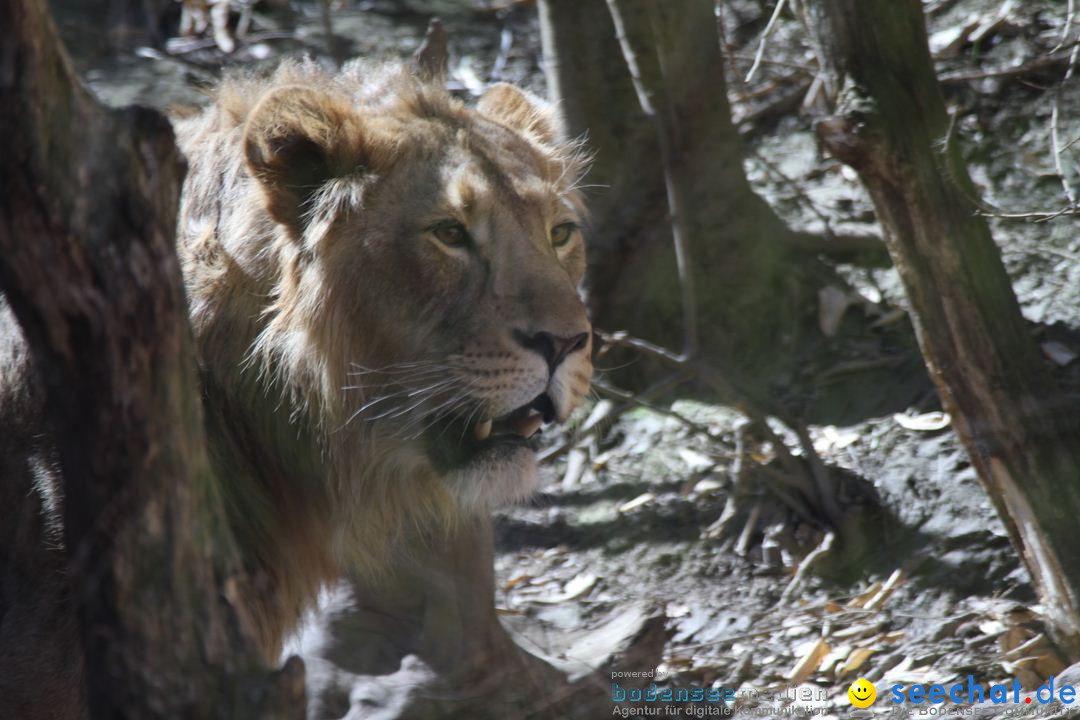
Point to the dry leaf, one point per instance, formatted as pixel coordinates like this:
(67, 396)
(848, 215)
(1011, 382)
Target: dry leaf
(809, 662)
(856, 631)
(579, 585)
(515, 581)
(697, 462)
(836, 656)
(992, 627)
(707, 485)
(861, 599)
(600, 461)
(856, 660)
(1048, 665)
(926, 422)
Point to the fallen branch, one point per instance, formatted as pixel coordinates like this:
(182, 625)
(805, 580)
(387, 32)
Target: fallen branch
(1031, 67)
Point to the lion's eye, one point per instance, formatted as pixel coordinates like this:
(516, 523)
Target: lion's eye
(562, 234)
(451, 234)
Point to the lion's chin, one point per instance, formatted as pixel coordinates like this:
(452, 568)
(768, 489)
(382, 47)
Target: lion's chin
(500, 473)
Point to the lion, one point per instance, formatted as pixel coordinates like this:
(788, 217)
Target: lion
(383, 284)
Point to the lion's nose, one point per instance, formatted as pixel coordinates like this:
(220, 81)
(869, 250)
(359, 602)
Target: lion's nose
(552, 348)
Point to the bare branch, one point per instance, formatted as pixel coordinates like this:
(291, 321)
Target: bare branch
(764, 39)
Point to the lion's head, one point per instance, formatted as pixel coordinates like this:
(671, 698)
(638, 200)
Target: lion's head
(399, 271)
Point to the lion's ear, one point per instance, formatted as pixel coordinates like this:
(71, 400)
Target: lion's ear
(520, 111)
(295, 140)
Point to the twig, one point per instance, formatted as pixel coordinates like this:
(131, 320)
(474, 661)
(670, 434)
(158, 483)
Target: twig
(660, 410)
(764, 38)
(1036, 215)
(1070, 14)
(823, 548)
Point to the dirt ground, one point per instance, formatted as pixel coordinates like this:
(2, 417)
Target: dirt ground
(634, 522)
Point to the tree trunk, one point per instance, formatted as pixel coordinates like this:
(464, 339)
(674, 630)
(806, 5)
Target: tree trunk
(679, 167)
(738, 261)
(1022, 435)
(88, 268)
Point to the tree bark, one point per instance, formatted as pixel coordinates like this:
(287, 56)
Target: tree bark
(88, 268)
(1022, 434)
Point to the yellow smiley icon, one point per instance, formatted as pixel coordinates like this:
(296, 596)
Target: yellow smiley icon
(862, 693)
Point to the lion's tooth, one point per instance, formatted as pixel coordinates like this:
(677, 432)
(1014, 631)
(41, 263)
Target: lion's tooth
(482, 430)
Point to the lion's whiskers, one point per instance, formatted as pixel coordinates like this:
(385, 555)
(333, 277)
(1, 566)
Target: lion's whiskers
(396, 412)
(407, 410)
(442, 411)
(400, 394)
(468, 422)
(400, 368)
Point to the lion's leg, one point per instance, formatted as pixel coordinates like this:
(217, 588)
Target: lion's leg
(425, 642)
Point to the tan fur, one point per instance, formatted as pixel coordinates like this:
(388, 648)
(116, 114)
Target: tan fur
(334, 324)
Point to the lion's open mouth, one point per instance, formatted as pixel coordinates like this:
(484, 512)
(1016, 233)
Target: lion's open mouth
(457, 442)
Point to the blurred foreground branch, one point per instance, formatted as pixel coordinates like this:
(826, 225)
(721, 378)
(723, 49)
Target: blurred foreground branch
(88, 267)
